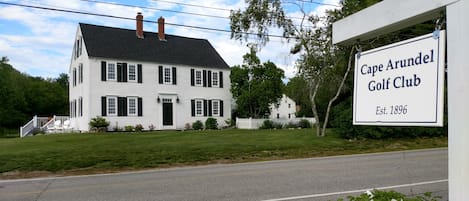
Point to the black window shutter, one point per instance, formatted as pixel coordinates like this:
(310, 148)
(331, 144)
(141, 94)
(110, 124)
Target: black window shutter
(221, 108)
(174, 75)
(103, 106)
(205, 78)
(205, 108)
(139, 73)
(124, 72)
(192, 77)
(209, 78)
(121, 106)
(160, 74)
(119, 72)
(103, 71)
(209, 108)
(140, 107)
(220, 79)
(193, 108)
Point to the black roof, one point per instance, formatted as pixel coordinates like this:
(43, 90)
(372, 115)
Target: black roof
(117, 43)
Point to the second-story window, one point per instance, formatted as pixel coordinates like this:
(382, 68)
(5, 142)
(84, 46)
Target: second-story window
(167, 75)
(132, 76)
(215, 79)
(111, 71)
(198, 78)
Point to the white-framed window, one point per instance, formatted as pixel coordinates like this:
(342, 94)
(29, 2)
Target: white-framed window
(132, 106)
(214, 79)
(215, 108)
(80, 73)
(167, 75)
(198, 78)
(132, 74)
(199, 108)
(111, 106)
(111, 71)
(74, 79)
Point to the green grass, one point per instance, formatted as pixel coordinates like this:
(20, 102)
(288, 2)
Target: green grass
(123, 151)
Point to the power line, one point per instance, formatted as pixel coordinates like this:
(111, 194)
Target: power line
(318, 3)
(127, 18)
(193, 5)
(151, 8)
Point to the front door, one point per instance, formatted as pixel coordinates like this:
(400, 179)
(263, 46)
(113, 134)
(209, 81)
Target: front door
(167, 112)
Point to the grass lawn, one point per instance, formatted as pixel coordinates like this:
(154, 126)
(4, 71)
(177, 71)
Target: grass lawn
(92, 153)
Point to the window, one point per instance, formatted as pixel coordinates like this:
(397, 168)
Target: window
(198, 78)
(215, 79)
(215, 108)
(80, 73)
(111, 71)
(199, 108)
(112, 106)
(74, 76)
(278, 116)
(167, 75)
(80, 106)
(132, 76)
(289, 105)
(289, 116)
(132, 106)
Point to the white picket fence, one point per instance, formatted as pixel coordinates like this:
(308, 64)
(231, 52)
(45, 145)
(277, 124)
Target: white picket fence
(250, 123)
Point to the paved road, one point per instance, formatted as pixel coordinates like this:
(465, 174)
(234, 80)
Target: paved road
(327, 178)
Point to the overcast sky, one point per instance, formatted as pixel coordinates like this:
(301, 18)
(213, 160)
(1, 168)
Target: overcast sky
(39, 42)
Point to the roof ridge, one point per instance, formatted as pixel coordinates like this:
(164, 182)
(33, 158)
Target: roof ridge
(127, 29)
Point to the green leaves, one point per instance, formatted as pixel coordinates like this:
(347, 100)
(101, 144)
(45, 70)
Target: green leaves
(255, 86)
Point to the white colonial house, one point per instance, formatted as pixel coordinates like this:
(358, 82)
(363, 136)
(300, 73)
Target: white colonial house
(284, 109)
(134, 77)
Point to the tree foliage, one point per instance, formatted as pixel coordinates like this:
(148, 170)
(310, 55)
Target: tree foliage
(255, 86)
(24, 96)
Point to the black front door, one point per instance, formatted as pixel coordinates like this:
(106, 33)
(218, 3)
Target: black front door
(167, 113)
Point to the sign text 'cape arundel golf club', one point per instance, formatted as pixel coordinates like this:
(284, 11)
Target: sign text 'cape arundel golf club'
(401, 84)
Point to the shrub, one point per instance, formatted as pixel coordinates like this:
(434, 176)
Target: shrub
(304, 123)
(291, 125)
(129, 128)
(138, 128)
(377, 195)
(151, 127)
(278, 125)
(99, 123)
(197, 125)
(211, 123)
(267, 124)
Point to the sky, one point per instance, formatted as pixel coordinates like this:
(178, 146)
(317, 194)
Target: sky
(39, 42)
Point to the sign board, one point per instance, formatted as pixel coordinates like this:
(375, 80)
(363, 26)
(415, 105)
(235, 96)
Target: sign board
(401, 84)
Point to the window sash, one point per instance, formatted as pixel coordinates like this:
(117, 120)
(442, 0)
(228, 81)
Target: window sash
(132, 106)
(198, 78)
(199, 108)
(215, 79)
(215, 108)
(111, 71)
(132, 73)
(111, 106)
(167, 76)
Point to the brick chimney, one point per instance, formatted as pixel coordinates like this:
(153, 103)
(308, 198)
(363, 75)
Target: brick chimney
(139, 30)
(161, 29)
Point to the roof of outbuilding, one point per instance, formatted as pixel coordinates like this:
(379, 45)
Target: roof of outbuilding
(117, 43)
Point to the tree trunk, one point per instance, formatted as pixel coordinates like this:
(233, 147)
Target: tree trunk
(342, 83)
(314, 86)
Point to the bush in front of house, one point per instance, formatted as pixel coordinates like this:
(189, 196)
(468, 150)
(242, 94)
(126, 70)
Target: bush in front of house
(291, 125)
(211, 123)
(304, 123)
(99, 124)
(197, 125)
(129, 128)
(378, 195)
(267, 124)
(139, 128)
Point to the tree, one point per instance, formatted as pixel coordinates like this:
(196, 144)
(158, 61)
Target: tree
(255, 86)
(296, 90)
(321, 63)
(4, 60)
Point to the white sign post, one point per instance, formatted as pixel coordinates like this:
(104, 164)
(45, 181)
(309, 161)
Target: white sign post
(401, 84)
(391, 15)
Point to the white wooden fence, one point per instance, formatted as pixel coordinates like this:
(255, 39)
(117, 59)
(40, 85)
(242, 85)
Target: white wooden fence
(250, 123)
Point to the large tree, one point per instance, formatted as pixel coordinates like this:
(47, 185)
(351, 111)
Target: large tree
(255, 85)
(324, 65)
